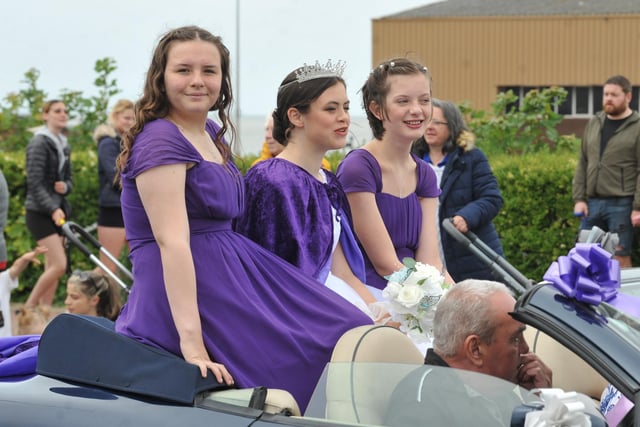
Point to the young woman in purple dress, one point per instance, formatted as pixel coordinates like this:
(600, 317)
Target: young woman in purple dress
(200, 289)
(297, 209)
(393, 194)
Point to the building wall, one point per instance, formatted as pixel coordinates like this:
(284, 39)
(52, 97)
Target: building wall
(470, 57)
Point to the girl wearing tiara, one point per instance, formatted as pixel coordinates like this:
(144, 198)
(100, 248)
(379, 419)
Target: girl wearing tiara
(201, 290)
(295, 208)
(393, 194)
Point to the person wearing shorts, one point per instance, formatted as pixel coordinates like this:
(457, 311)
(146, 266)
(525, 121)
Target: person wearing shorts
(48, 167)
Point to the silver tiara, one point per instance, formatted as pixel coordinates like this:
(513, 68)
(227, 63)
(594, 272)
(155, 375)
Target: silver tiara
(316, 71)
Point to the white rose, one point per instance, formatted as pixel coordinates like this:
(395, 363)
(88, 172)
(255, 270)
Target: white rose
(390, 292)
(424, 273)
(409, 296)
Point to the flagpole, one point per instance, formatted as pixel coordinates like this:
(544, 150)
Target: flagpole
(237, 72)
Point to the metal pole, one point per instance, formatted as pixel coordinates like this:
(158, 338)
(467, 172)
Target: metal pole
(237, 111)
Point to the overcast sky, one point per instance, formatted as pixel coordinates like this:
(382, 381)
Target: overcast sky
(64, 38)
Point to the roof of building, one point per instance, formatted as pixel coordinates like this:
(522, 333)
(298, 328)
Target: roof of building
(448, 8)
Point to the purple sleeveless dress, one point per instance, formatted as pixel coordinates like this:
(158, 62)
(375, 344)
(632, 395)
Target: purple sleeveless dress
(359, 171)
(268, 323)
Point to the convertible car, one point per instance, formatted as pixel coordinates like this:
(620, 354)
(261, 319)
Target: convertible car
(86, 374)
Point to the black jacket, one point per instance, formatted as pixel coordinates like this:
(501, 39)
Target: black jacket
(108, 151)
(42, 173)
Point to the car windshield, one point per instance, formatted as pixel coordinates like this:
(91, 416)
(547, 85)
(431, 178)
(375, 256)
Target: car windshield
(379, 394)
(625, 325)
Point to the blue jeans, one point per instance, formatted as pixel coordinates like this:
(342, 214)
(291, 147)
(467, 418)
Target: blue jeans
(613, 215)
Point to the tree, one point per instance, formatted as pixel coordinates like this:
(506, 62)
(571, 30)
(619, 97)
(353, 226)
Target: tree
(521, 127)
(20, 111)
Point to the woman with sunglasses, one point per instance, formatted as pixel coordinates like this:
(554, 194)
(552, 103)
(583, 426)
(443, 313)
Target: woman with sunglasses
(92, 294)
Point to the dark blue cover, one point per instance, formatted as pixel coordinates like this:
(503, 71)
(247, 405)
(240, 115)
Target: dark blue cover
(87, 350)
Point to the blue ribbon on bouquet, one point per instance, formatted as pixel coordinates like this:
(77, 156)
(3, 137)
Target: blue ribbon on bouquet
(590, 275)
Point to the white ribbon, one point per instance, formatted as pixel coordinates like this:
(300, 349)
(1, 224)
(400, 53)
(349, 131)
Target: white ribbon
(560, 410)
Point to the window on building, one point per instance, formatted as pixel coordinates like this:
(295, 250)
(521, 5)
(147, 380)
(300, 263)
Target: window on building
(581, 101)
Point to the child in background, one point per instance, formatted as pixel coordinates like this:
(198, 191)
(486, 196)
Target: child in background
(9, 281)
(92, 294)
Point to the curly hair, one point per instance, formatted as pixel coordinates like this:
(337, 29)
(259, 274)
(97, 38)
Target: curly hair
(154, 103)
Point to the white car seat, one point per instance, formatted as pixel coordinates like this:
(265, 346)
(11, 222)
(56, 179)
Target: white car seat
(366, 365)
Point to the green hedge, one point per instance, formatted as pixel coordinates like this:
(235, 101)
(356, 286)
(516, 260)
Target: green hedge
(536, 224)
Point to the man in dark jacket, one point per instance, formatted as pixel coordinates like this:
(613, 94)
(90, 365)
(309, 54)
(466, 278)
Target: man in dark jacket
(473, 332)
(605, 186)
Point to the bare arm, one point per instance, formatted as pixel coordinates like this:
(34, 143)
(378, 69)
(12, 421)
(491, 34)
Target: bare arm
(372, 233)
(162, 193)
(428, 247)
(22, 263)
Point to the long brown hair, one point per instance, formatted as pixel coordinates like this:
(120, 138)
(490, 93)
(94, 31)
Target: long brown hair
(154, 103)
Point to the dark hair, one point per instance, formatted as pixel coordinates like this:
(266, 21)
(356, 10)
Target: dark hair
(107, 290)
(376, 88)
(455, 123)
(298, 95)
(621, 81)
(154, 103)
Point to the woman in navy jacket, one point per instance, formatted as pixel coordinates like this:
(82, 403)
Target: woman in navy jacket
(470, 194)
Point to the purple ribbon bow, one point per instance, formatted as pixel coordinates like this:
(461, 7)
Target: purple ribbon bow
(587, 273)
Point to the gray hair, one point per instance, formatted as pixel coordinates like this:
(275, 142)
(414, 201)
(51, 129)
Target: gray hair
(464, 311)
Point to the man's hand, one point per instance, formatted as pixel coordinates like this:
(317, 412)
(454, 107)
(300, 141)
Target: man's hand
(635, 218)
(581, 209)
(533, 373)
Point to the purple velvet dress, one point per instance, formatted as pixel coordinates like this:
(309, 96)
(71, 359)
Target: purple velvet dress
(268, 323)
(289, 213)
(360, 172)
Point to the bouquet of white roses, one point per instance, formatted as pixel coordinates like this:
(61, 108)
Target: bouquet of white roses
(412, 294)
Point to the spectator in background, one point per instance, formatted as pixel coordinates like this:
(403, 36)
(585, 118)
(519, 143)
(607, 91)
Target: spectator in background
(392, 193)
(470, 195)
(108, 137)
(9, 281)
(48, 168)
(4, 212)
(605, 186)
(271, 147)
(92, 294)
